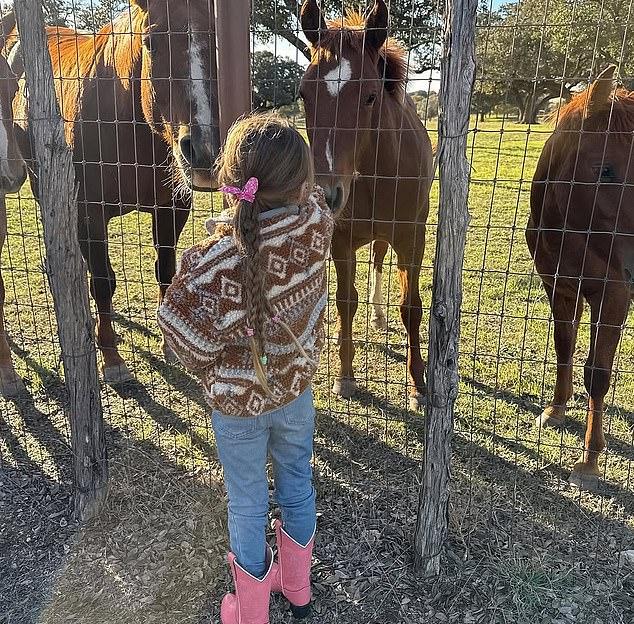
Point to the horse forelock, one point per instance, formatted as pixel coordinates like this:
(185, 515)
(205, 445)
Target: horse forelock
(349, 32)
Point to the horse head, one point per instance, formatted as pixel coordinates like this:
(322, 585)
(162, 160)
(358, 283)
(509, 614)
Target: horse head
(342, 89)
(177, 83)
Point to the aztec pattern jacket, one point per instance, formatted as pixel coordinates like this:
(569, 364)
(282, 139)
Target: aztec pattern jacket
(203, 319)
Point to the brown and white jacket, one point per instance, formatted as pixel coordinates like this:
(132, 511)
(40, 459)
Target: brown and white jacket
(203, 317)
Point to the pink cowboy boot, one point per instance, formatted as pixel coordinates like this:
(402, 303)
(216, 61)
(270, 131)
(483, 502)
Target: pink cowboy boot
(249, 604)
(291, 574)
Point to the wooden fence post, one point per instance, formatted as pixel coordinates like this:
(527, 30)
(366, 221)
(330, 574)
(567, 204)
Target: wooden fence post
(65, 268)
(234, 61)
(457, 78)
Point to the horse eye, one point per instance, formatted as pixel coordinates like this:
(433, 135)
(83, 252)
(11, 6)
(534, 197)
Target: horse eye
(605, 173)
(371, 99)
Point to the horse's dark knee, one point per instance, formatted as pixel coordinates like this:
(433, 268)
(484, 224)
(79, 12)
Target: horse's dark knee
(165, 266)
(348, 299)
(102, 287)
(596, 380)
(411, 308)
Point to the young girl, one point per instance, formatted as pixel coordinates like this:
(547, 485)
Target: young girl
(245, 314)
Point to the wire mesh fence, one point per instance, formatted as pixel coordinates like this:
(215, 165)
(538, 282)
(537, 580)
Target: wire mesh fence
(524, 545)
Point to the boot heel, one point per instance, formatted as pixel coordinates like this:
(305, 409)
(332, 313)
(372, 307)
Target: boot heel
(300, 613)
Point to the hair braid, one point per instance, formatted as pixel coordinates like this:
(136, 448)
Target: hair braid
(269, 148)
(247, 233)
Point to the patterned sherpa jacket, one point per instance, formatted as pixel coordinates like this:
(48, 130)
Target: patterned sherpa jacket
(204, 322)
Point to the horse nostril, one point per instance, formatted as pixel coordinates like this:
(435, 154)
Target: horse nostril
(187, 149)
(338, 203)
(334, 197)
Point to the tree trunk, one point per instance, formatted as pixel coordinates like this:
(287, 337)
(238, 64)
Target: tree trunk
(65, 268)
(457, 79)
(531, 108)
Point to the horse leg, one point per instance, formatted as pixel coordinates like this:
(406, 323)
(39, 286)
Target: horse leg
(345, 260)
(167, 225)
(567, 312)
(379, 316)
(93, 240)
(608, 313)
(10, 383)
(409, 252)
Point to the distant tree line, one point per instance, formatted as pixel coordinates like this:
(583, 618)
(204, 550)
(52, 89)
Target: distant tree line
(531, 51)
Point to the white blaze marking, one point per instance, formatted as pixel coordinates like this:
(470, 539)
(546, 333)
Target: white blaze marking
(336, 78)
(203, 106)
(329, 153)
(4, 144)
(377, 293)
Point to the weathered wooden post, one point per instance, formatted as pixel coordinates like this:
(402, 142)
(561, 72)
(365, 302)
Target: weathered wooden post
(458, 72)
(65, 267)
(234, 61)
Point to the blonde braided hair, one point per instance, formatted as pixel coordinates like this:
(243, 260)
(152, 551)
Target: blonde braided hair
(267, 147)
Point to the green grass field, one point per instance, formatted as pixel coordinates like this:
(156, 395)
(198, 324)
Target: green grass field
(514, 518)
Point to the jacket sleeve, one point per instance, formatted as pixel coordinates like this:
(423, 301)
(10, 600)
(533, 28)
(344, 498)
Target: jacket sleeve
(181, 318)
(326, 218)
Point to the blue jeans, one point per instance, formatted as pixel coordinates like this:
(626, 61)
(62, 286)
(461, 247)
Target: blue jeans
(242, 443)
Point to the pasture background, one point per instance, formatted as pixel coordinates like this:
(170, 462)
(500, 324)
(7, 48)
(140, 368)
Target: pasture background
(524, 545)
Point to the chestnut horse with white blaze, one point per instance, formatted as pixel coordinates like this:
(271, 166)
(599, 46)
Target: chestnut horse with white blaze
(141, 117)
(12, 177)
(581, 237)
(373, 157)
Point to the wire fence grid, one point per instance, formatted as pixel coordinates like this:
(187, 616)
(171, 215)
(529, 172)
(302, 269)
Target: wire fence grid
(524, 544)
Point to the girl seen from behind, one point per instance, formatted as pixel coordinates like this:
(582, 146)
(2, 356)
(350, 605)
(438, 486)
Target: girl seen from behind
(245, 313)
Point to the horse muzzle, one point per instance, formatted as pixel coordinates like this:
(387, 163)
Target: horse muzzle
(12, 177)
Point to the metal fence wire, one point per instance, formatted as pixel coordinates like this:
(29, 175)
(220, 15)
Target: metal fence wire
(547, 278)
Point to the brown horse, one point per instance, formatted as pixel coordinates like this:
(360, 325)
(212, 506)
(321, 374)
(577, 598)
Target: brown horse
(12, 177)
(581, 236)
(140, 113)
(373, 158)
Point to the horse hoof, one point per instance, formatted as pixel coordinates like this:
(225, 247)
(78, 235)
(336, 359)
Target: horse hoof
(345, 388)
(117, 374)
(586, 481)
(379, 321)
(10, 384)
(169, 355)
(417, 401)
(552, 416)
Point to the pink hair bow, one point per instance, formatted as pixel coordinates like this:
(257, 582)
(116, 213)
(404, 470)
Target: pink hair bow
(247, 192)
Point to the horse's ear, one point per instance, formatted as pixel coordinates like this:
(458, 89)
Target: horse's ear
(7, 26)
(600, 90)
(312, 21)
(376, 25)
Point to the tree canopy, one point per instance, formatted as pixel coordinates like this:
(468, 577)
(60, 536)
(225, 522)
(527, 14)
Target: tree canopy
(533, 50)
(275, 80)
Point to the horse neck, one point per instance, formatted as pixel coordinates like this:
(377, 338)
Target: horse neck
(387, 159)
(108, 64)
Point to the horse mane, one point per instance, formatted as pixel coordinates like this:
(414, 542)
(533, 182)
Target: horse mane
(617, 112)
(348, 30)
(117, 45)
(112, 52)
